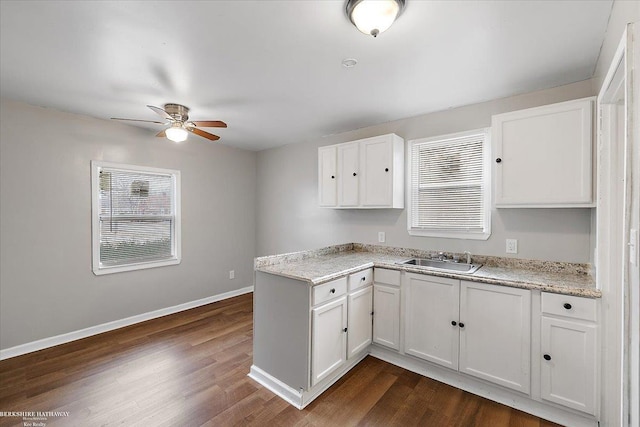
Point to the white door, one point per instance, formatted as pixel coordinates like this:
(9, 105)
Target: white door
(328, 339)
(348, 175)
(431, 319)
(569, 364)
(386, 316)
(495, 334)
(327, 180)
(360, 323)
(376, 158)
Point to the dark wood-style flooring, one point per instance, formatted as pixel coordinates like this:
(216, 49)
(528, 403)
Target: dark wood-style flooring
(190, 369)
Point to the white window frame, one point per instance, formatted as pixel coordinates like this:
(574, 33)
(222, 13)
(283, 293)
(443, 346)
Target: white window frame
(486, 188)
(176, 258)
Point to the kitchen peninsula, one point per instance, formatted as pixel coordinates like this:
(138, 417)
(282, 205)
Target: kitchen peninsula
(493, 332)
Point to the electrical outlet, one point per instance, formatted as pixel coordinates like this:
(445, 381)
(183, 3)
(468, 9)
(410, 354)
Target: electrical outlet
(232, 274)
(512, 246)
(381, 236)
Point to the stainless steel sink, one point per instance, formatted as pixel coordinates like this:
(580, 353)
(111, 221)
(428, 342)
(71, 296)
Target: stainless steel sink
(443, 265)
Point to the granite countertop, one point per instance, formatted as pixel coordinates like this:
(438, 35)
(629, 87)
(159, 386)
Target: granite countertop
(322, 265)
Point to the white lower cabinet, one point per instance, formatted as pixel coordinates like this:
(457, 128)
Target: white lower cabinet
(360, 306)
(431, 319)
(386, 316)
(495, 334)
(480, 330)
(328, 339)
(569, 353)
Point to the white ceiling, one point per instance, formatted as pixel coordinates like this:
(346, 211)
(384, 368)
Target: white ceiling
(272, 69)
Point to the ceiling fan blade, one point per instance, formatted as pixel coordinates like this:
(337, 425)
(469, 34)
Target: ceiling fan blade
(161, 134)
(161, 113)
(210, 124)
(204, 134)
(136, 120)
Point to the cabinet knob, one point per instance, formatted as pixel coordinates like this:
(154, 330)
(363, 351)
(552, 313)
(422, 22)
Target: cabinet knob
(333, 177)
(363, 279)
(386, 169)
(547, 357)
(354, 174)
(461, 324)
(333, 290)
(344, 330)
(453, 323)
(567, 306)
(372, 313)
(498, 160)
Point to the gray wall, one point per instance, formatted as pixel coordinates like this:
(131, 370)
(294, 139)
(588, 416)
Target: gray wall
(46, 283)
(622, 13)
(288, 218)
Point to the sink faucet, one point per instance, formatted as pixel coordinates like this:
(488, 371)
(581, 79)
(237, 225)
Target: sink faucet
(442, 256)
(468, 254)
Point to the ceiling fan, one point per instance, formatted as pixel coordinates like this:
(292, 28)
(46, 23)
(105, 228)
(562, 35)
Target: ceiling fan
(177, 117)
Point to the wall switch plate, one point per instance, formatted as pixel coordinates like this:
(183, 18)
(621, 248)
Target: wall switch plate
(381, 237)
(512, 246)
(232, 274)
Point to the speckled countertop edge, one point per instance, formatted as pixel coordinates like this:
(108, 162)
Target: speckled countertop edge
(329, 263)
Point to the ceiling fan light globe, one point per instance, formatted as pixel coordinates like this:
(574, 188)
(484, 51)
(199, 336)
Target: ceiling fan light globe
(176, 134)
(374, 16)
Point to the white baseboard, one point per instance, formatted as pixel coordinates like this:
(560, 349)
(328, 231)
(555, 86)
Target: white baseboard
(294, 397)
(116, 324)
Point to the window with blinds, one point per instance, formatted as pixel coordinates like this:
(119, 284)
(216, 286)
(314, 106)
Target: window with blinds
(449, 186)
(136, 222)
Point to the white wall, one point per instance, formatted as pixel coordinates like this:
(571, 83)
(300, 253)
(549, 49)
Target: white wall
(47, 287)
(288, 218)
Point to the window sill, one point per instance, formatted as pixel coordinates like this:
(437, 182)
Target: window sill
(99, 271)
(449, 235)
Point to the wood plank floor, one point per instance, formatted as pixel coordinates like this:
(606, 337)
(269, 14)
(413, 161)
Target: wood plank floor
(190, 369)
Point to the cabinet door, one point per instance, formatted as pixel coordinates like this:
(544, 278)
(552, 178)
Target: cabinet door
(360, 324)
(431, 319)
(545, 155)
(569, 374)
(348, 175)
(328, 339)
(327, 181)
(386, 316)
(495, 334)
(376, 158)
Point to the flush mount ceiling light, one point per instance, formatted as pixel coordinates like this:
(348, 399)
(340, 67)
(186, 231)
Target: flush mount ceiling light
(176, 133)
(374, 16)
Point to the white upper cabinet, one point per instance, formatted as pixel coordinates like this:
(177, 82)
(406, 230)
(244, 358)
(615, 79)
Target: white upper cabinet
(327, 169)
(543, 156)
(348, 175)
(368, 173)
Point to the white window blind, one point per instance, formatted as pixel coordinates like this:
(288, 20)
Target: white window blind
(136, 221)
(448, 186)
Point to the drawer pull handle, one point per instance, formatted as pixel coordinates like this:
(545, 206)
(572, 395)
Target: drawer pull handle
(453, 323)
(567, 306)
(498, 160)
(386, 169)
(364, 278)
(333, 177)
(333, 290)
(547, 357)
(344, 330)
(461, 324)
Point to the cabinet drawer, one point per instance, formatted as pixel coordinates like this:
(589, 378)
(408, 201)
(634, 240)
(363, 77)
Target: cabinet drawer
(569, 306)
(360, 279)
(390, 277)
(329, 290)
